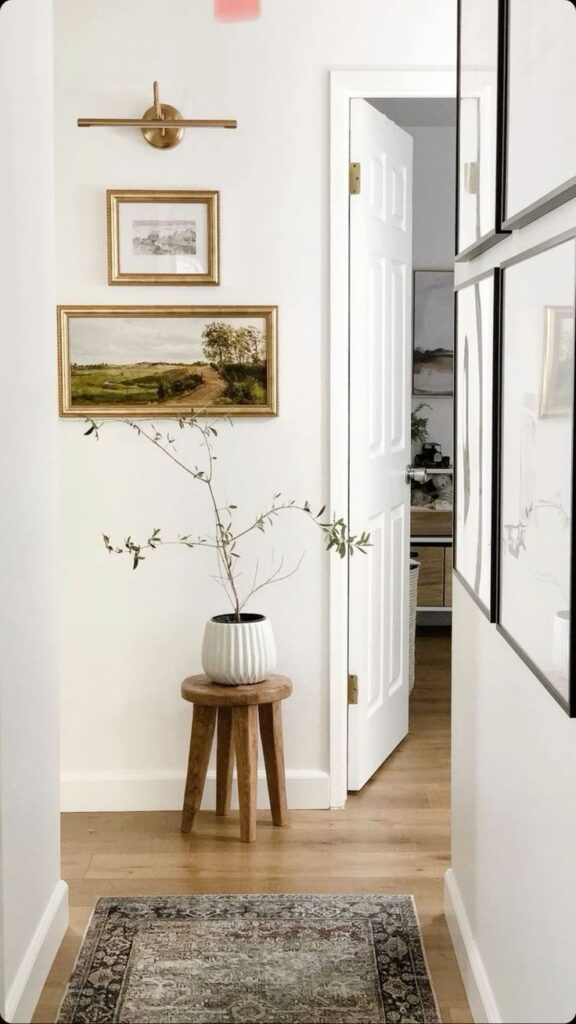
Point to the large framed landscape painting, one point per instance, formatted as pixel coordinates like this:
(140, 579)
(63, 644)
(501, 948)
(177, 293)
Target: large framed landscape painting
(433, 356)
(162, 237)
(143, 361)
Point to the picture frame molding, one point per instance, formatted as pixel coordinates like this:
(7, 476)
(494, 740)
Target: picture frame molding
(67, 312)
(500, 230)
(488, 611)
(569, 706)
(211, 198)
(550, 200)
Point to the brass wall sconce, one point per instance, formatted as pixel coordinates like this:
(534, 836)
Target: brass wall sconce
(162, 125)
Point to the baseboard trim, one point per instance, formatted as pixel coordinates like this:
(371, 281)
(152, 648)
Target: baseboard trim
(164, 791)
(37, 961)
(476, 982)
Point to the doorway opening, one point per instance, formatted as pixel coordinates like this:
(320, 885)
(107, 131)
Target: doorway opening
(395, 251)
(431, 123)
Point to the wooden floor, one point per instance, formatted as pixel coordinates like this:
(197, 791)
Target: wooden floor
(393, 837)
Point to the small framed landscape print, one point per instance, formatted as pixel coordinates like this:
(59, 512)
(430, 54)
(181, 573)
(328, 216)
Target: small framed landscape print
(144, 361)
(433, 356)
(540, 171)
(477, 345)
(537, 533)
(558, 362)
(164, 237)
(481, 105)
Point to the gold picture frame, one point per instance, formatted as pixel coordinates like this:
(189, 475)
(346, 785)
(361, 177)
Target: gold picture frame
(144, 362)
(181, 248)
(556, 388)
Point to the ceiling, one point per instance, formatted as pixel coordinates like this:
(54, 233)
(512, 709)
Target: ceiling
(418, 113)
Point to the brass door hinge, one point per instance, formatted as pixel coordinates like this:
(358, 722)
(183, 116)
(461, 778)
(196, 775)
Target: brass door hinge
(352, 689)
(354, 179)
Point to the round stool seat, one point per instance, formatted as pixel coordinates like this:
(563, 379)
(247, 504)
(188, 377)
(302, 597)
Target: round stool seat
(200, 690)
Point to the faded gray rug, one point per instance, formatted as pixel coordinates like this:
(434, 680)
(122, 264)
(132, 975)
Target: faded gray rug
(251, 960)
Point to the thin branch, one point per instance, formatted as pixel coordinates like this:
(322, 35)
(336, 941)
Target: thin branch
(274, 578)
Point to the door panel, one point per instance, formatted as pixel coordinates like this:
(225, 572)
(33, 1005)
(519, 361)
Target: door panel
(380, 365)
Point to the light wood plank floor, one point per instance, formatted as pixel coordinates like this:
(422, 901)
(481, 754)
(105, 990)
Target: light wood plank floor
(392, 837)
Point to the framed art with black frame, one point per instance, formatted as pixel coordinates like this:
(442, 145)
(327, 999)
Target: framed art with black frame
(540, 138)
(477, 305)
(536, 525)
(480, 125)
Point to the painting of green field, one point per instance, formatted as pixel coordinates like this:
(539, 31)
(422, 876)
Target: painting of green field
(139, 383)
(168, 364)
(174, 384)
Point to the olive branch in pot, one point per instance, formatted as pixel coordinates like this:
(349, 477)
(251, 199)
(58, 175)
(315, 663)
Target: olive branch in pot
(227, 536)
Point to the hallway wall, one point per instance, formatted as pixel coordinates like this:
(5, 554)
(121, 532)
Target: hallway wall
(512, 882)
(33, 900)
(129, 638)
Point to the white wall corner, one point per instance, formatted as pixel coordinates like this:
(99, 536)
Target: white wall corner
(476, 981)
(164, 791)
(35, 966)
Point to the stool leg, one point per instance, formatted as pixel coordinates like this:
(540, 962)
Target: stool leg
(224, 761)
(245, 730)
(203, 724)
(273, 747)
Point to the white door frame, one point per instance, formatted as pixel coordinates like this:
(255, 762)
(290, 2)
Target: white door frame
(345, 86)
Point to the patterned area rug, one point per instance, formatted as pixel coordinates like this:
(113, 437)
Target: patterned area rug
(251, 960)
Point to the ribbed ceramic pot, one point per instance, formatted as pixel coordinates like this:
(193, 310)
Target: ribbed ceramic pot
(238, 653)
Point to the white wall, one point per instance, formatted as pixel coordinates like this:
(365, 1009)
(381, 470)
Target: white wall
(511, 894)
(32, 897)
(128, 638)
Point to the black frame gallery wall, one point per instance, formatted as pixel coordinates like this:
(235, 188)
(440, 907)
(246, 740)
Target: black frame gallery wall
(496, 513)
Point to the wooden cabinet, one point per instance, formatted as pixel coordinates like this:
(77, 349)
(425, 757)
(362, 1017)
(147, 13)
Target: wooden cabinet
(430, 522)
(431, 578)
(431, 541)
(448, 577)
(435, 579)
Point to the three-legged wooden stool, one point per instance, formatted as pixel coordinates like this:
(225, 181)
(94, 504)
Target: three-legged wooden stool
(238, 709)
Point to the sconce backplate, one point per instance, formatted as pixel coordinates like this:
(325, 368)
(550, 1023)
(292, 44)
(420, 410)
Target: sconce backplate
(163, 138)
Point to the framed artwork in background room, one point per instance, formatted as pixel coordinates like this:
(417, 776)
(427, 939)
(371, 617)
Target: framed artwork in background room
(165, 361)
(536, 486)
(163, 237)
(477, 364)
(433, 333)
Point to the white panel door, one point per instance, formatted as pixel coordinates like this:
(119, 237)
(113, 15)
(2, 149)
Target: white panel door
(380, 388)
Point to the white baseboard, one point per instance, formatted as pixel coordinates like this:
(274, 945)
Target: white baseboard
(164, 791)
(476, 982)
(25, 990)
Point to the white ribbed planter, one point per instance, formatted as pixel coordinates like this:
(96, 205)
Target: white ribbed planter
(238, 653)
